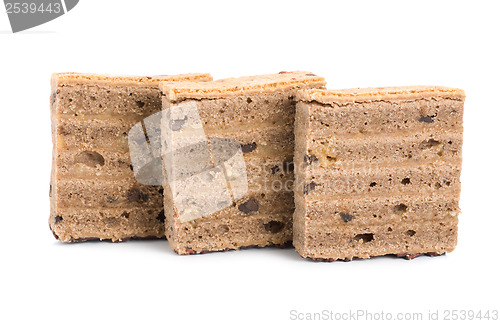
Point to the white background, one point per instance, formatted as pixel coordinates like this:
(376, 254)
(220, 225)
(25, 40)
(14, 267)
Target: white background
(351, 44)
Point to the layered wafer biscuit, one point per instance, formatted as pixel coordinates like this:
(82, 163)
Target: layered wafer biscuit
(93, 191)
(230, 149)
(377, 171)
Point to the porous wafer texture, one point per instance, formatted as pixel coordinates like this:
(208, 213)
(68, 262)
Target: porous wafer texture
(257, 112)
(377, 171)
(93, 192)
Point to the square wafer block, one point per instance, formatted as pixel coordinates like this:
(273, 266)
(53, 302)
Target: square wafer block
(377, 171)
(228, 151)
(93, 192)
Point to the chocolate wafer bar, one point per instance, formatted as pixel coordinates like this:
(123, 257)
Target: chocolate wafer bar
(229, 163)
(93, 191)
(377, 171)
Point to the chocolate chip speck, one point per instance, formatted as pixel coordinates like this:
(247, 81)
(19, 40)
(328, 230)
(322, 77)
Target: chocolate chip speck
(247, 148)
(58, 219)
(176, 125)
(427, 119)
(140, 104)
(410, 232)
(275, 169)
(135, 195)
(251, 205)
(309, 159)
(346, 217)
(309, 188)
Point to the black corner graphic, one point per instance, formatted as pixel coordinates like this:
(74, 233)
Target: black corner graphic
(70, 4)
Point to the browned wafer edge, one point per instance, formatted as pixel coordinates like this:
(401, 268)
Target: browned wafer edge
(407, 256)
(124, 239)
(346, 96)
(189, 251)
(70, 78)
(240, 86)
